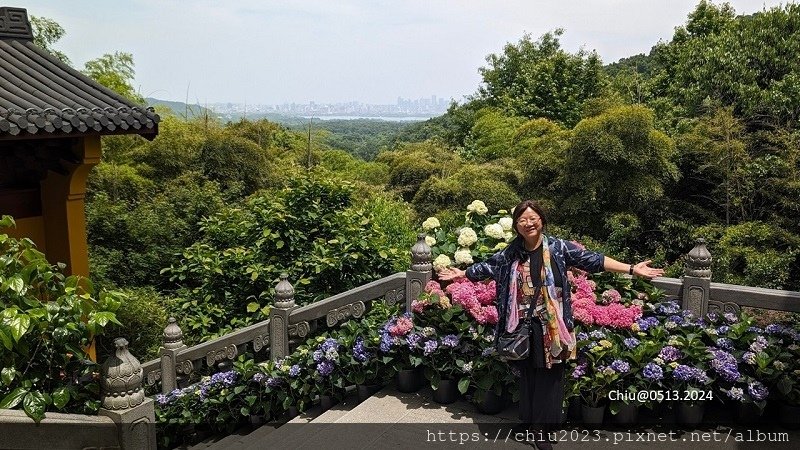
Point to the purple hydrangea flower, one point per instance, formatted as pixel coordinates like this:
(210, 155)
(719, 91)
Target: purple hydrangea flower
(386, 342)
(683, 373)
(258, 377)
(359, 352)
(712, 317)
(724, 364)
(668, 308)
(759, 344)
(620, 366)
(318, 354)
(730, 317)
(757, 391)
(162, 399)
(451, 340)
(412, 339)
(653, 372)
(580, 370)
(430, 347)
(675, 318)
(670, 353)
(631, 342)
(723, 329)
(725, 344)
(582, 336)
(646, 323)
(273, 382)
(224, 378)
(774, 328)
(749, 357)
(597, 334)
(756, 330)
(735, 393)
(294, 371)
(325, 368)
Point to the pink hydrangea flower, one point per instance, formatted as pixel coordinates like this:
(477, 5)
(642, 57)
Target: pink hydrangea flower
(402, 327)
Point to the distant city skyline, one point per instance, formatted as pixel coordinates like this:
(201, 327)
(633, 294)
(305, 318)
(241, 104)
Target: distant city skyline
(372, 51)
(403, 107)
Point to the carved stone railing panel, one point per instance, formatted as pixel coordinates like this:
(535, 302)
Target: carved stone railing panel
(723, 307)
(394, 296)
(215, 356)
(299, 329)
(261, 341)
(354, 310)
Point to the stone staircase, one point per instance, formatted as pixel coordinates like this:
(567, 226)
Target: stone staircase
(391, 419)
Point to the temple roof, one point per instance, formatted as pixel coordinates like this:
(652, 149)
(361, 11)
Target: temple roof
(40, 96)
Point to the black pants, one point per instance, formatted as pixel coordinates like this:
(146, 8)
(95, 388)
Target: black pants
(541, 390)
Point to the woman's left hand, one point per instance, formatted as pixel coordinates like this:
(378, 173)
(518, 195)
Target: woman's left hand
(643, 269)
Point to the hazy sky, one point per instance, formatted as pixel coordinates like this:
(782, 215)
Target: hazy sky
(262, 51)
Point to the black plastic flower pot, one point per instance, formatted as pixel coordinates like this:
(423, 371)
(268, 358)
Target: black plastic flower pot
(446, 392)
(409, 380)
(627, 414)
(326, 402)
(491, 403)
(292, 412)
(592, 414)
(789, 416)
(365, 391)
(688, 414)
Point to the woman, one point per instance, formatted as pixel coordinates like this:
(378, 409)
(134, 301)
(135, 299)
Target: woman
(532, 271)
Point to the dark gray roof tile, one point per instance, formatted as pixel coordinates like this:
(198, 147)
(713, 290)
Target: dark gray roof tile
(41, 95)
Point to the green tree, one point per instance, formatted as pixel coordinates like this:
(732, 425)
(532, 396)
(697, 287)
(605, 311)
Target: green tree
(47, 32)
(116, 72)
(539, 79)
(617, 162)
(491, 136)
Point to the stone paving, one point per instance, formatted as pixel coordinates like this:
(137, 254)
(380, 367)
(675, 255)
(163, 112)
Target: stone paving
(390, 419)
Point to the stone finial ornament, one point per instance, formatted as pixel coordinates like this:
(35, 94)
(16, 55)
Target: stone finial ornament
(698, 261)
(173, 336)
(421, 255)
(121, 379)
(284, 293)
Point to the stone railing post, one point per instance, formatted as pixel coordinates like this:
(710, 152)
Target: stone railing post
(123, 399)
(173, 344)
(696, 289)
(279, 319)
(420, 273)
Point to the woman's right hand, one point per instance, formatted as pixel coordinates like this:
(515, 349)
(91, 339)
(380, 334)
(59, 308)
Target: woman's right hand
(450, 273)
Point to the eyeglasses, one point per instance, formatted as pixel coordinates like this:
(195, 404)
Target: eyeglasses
(531, 220)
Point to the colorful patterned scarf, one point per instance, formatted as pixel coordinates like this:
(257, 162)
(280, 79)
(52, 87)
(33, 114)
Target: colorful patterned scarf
(555, 326)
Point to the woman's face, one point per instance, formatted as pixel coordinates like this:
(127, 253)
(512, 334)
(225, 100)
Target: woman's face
(529, 225)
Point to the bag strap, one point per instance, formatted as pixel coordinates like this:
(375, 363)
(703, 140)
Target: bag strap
(536, 294)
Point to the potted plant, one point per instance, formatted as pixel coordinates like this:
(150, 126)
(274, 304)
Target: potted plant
(488, 377)
(399, 339)
(443, 361)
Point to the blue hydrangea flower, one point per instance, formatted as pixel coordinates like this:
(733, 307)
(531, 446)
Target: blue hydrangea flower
(430, 347)
(725, 344)
(273, 382)
(620, 366)
(724, 364)
(582, 336)
(723, 329)
(325, 367)
(580, 370)
(757, 391)
(597, 334)
(359, 352)
(683, 373)
(653, 372)
(631, 342)
(258, 377)
(412, 339)
(670, 353)
(162, 399)
(451, 340)
(294, 371)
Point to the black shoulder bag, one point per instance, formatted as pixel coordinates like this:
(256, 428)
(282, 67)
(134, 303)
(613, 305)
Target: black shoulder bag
(516, 345)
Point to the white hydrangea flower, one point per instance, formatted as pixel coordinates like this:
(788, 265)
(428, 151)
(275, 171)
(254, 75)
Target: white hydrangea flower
(779, 365)
(506, 223)
(494, 230)
(430, 223)
(478, 207)
(430, 240)
(468, 367)
(441, 262)
(463, 256)
(467, 237)
(509, 236)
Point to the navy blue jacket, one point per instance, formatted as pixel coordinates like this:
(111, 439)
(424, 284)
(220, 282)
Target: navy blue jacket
(564, 253)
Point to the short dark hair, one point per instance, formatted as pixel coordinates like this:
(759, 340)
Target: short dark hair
(524, 205)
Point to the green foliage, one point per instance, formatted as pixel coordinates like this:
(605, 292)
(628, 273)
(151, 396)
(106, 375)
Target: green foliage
(491, 136)
(310, 230)
(617, 162)
(174, 151)
(362, 138)
(47, 32)
(47, 322)
(753, 254)
(413, 164)
(494, 183)
(539, 79)
(539, 150)
(143, 316)
(132, 238)
(237, 164)
(116, 72)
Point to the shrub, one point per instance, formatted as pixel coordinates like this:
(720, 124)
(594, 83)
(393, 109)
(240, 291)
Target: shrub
(48, 321)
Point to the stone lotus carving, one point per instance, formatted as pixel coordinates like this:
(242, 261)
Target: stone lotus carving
(121, 379)
(698, 261)
(173, 335)
(421, 255)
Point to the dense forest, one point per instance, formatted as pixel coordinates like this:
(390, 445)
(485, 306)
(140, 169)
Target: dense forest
(698, 138)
